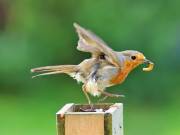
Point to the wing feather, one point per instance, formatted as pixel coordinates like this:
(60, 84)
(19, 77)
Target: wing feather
(89, 42)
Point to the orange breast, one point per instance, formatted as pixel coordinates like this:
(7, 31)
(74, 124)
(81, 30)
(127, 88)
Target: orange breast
(122, 74)
(119, 78)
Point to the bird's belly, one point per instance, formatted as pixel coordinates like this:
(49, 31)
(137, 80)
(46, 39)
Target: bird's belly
(106, 75)
(92, 87)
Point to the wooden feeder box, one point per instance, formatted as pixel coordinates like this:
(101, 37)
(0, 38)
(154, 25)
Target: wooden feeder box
(74, 119)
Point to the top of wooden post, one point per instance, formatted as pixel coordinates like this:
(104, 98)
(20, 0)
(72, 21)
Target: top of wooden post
(108, 120)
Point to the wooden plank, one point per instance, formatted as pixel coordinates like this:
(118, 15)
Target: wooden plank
(108, 124)
(67, 108)
(86, 124)
(114, 116)
(60, 119)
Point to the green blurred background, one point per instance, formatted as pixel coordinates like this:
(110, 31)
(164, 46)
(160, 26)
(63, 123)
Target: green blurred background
(40, 32)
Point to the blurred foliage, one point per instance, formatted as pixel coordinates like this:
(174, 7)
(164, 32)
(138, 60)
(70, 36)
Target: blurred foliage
(40, 32)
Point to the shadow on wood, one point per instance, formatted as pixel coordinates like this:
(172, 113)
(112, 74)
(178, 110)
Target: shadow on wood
(106, 120)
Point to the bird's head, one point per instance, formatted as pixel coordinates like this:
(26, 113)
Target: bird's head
(134, 58)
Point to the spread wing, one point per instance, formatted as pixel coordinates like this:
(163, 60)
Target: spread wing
(89, 42)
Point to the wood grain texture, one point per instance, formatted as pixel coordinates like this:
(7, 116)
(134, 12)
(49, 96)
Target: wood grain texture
(107, 124)
(90, 124)
(116, 112)
(72, 121)
(60, 119)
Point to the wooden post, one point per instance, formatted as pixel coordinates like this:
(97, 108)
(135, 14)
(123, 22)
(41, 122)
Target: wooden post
(107, 120)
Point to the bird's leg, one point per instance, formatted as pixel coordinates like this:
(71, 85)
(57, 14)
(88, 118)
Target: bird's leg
(86, 94)
(110, 94)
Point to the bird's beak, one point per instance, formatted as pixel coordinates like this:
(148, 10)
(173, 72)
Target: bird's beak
(150, 65)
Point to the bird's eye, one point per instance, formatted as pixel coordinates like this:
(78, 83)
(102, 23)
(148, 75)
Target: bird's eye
(133, 57)
(102, 56)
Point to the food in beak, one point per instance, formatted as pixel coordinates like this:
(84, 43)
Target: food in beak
(149, 67)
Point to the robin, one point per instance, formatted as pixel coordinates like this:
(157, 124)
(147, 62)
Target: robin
(105, 68)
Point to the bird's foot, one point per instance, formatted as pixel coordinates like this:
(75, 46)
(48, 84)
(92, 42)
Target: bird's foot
(91, 109)
(87, 110)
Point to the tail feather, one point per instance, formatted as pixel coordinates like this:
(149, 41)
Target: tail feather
(49, 70)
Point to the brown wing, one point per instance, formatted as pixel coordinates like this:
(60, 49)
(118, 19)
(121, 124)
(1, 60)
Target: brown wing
(89, 42)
